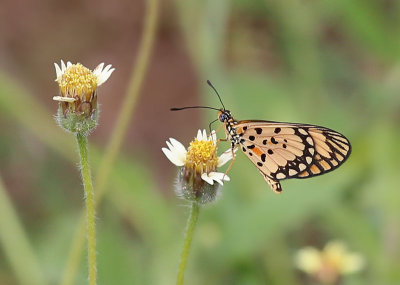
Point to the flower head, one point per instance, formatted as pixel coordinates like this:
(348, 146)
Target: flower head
(78, 94)
(199, 163)
(329, 264)
(78, 85)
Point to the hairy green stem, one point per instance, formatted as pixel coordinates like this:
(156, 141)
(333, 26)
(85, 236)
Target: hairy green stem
(191, 224)
(121, 126)
(90, 207)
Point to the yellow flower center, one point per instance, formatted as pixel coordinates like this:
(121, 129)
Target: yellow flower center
(77, 80)
(202, 156)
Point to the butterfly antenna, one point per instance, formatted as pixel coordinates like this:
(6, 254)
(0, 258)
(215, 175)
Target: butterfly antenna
(193, 107)
(219, 97)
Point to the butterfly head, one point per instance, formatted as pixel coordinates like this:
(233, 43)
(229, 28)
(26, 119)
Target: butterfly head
(224, 115)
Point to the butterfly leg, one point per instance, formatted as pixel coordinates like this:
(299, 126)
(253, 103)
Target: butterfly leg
(209, 126)
(274, 184)
(218, 129)
(221, 140)
(233, 149)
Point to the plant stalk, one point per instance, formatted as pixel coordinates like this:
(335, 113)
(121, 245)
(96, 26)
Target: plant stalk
(90, 207)
(191, 225)
(106, 165)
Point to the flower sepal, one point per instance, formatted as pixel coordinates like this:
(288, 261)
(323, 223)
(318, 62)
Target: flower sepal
(192, 187)
(74, 122)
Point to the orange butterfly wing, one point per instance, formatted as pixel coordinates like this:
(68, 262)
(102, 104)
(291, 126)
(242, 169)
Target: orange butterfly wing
(285, 150)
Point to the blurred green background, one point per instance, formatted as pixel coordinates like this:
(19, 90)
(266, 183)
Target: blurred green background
(330, 63)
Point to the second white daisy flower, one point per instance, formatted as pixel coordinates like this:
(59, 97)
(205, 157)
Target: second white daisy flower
(199, 164)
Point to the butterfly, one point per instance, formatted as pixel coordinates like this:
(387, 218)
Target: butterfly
(284, 150)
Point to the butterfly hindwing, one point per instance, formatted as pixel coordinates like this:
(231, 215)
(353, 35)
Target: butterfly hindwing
(273, 183)
(332, 149)
(285, 150)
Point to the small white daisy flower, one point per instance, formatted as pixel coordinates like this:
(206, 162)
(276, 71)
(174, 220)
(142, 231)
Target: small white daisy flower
(78, 83)
(78, 95)
(199, 164)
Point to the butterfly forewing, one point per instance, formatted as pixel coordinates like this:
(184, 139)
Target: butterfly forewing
(285, 150)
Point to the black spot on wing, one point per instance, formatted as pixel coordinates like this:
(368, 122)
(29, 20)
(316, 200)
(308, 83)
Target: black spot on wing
(263, 157)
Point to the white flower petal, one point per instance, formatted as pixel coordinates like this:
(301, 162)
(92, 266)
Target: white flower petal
(58, 71)
(177, 150)
(170, 146)
(180, 147)
(172, 157)
(225, 157)
(63, 68)
(107, 68)
(205, 138)
(103, 74)
(199, 135)
(213, 136)
(207, 179)
(64, 99)
(97, 71)
(69, 64)
(215, 177)
(219, 176)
